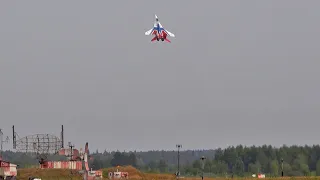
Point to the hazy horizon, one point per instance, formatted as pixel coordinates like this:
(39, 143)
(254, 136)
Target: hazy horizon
(237, 72)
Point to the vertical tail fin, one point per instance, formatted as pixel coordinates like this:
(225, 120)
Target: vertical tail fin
(153, 39)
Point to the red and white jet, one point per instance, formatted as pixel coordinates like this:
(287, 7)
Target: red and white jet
(159, 32)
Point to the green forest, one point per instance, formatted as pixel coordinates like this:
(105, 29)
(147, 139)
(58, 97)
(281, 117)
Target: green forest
(235, 160)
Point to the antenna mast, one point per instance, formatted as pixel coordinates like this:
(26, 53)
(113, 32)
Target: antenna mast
(14, 138)
(62, 137)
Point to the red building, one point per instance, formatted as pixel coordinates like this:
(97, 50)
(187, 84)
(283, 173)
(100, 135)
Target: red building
(7, 170)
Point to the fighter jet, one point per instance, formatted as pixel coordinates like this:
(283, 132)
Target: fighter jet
(159, 32)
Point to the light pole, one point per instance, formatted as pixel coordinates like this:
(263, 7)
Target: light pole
(202, 160)
(71, 156)
(178, 146)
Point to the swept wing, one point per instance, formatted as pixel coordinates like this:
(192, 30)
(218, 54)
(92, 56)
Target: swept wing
(151, 30)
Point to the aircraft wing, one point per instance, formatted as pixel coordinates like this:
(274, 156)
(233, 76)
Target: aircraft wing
(166, 31)
(151, 30)
(169, 33)
(148, 32)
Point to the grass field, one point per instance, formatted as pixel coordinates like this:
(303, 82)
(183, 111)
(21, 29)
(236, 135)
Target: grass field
(48, 174)
(134, 174)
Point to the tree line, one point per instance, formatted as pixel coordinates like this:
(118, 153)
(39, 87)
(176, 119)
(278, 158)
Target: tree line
(233, 161)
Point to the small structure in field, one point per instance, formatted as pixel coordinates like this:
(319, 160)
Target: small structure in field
(118, 175)
(8, 171)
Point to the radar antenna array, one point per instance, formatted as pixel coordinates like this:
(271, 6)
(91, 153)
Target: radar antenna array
(40, 144)
(2, 141)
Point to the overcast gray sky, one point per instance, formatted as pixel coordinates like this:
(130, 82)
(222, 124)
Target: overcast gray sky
(237, 72)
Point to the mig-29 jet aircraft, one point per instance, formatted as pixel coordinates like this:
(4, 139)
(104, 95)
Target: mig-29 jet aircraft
(159, 32)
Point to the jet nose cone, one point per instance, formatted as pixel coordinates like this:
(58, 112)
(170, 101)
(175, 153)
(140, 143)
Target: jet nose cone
(156, 17)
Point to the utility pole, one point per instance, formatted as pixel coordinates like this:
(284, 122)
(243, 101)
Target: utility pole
(282, 167)
(202, 160)
(178, 173)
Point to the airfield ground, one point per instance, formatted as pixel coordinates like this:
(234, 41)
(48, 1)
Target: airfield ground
(134, 174)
